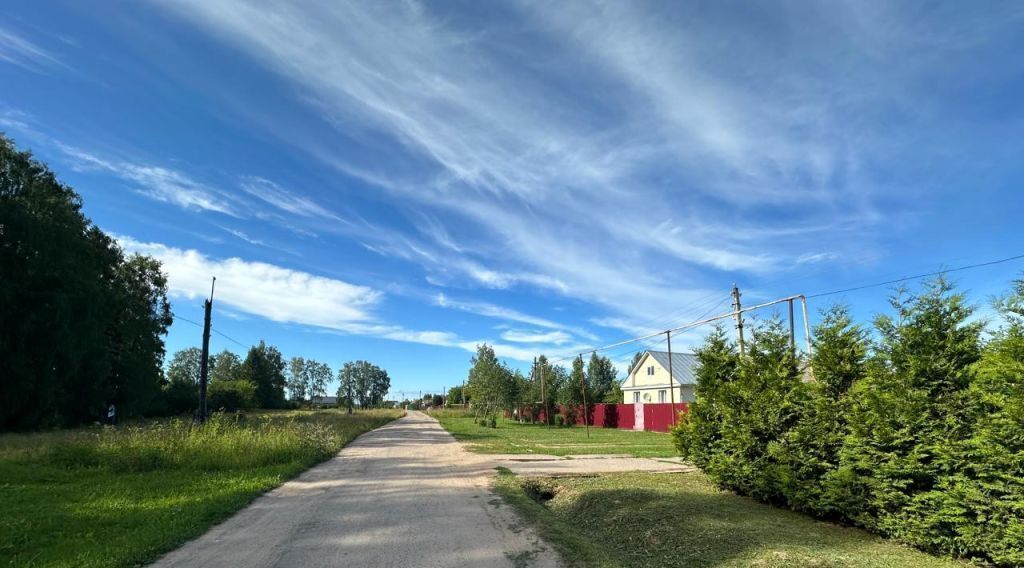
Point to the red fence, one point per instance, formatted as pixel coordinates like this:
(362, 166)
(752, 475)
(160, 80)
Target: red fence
(657, 417)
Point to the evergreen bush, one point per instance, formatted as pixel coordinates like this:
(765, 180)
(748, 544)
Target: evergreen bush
(918, 435)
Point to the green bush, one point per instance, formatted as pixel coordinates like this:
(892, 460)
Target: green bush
(180, 398)
(810, 451)
(493, 422)
(919, 436)
(697, 434)
(231, 395)
(761, 403)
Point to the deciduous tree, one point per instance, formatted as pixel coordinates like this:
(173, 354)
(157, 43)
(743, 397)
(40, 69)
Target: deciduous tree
(264, 367)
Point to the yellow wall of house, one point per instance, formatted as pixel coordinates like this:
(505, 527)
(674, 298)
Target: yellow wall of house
(650, 384)
(640, 378)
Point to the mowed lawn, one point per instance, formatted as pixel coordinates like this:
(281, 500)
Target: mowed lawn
(510, 437)
(122, 496)
(639, 520)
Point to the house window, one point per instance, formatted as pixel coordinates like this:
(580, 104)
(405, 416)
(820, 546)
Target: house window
(636, 396)
(650, 370)
(661, 396)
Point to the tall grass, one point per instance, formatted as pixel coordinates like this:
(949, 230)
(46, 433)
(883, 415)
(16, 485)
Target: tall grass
(224, 442)
(119, 496)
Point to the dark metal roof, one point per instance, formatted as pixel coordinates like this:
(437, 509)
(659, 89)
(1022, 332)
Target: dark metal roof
(684, 366)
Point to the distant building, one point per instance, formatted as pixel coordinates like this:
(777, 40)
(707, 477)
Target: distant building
(324, 401)
(649, 380)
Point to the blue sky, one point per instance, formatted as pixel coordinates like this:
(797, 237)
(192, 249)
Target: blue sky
(399, 181)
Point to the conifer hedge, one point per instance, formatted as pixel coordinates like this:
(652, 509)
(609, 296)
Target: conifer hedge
(915, 431)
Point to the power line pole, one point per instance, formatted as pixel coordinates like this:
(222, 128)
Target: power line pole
(583, 387)
(543, 396)
(807, 328)
(792, 332)
(671, 378)
(204, 366)
(739, 316)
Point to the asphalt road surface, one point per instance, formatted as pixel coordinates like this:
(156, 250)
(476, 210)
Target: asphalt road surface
(406, 494)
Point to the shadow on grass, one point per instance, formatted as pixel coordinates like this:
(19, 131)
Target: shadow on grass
(680, 520)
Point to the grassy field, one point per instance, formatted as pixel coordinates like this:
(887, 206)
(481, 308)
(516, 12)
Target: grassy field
(652, 520)
(513, 438)
(121, 496)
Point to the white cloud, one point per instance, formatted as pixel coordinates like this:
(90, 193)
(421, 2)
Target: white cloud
(816, 257)
(242, 235)
(493, 311)
(638, 156)
(159, 183)
(434, 93)
(275, 195)
(276, 293)
(555, 337)
(19, 51)
(289, 296)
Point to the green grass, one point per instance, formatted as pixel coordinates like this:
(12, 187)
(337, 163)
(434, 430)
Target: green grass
(513, 438)
(642, 519)
(122, 496)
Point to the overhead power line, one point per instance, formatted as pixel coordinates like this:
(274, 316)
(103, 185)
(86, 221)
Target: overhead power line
(193, 322)
(220, 333)
(229, 338)
(915, 277)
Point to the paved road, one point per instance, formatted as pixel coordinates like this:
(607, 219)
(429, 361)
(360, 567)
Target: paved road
(406, 494)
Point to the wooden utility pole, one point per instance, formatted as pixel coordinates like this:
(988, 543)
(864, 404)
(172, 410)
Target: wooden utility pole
(544, 398)
(739, 316)
(583, 387)
(671, 378)
(204, 363)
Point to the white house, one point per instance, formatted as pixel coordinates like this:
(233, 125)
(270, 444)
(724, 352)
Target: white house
(649, 380)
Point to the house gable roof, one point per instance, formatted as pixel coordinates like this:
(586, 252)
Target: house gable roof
(684, 365)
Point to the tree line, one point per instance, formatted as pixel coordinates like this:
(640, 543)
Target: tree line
(83, 323)
(913, 428)
(264, 377)
(492, 386)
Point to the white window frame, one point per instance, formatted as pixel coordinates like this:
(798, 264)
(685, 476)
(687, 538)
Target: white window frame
(636, 397)
(661, 396)
(650, 370)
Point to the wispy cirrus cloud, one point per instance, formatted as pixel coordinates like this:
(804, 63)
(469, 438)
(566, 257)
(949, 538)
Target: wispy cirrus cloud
(540, 183)
(280, 198)
(670, 157)
(18, 50)
(494, 311)
(551, 337)
(157, 182)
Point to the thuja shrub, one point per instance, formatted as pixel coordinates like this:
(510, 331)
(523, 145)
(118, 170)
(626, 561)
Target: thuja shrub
(744, 406)
(698, 432)
(917, 435)
(977, 506)
(810, 450)
(907, 412)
